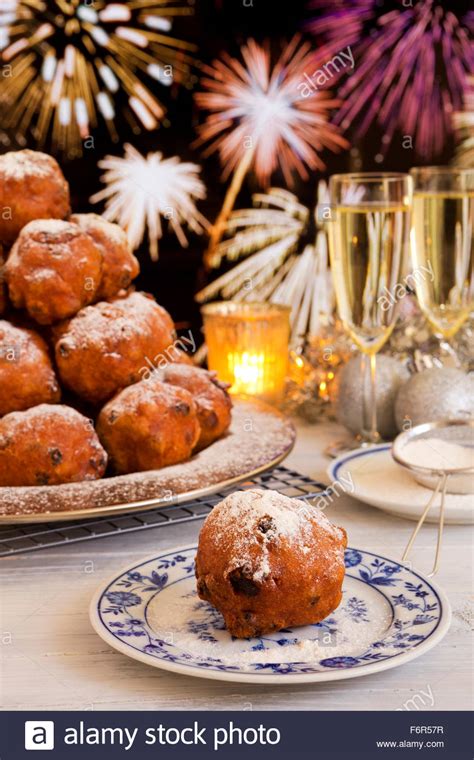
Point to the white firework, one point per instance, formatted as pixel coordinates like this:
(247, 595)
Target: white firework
(140, 190)
(268, 238)
(277, 218)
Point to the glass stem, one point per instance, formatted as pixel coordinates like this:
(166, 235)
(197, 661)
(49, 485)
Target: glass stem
(370, 434)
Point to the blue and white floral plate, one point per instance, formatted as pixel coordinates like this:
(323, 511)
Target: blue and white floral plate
(389, 615)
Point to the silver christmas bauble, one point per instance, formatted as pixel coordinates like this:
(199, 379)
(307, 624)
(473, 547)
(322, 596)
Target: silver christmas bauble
(435, 394)
(390, 374)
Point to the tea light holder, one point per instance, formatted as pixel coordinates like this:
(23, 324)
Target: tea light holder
(247, 345)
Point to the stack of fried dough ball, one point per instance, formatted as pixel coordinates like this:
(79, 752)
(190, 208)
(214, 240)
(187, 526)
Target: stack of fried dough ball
(72, 329)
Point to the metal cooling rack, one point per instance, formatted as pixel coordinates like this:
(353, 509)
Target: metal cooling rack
(16, 539)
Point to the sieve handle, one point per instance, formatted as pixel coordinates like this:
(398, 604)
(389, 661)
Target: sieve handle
(440, 527)
(441, 484)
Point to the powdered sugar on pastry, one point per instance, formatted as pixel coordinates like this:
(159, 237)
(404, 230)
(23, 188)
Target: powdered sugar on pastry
(20, 164)
(257, 436)
(263, 517)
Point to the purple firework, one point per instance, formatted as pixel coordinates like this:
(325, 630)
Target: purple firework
(411, 65)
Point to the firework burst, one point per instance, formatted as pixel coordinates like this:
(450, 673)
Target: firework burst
(411, 66)
(256, 109)
(141, 190)
(258, 119)
(72, 63)
(280, 269)
(277, 220)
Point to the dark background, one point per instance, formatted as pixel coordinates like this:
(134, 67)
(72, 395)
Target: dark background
(218, 25)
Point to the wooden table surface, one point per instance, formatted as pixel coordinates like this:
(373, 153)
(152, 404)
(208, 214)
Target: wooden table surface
(52, 659)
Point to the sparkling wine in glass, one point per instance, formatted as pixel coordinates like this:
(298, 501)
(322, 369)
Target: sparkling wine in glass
(369, 239)
(442, 245)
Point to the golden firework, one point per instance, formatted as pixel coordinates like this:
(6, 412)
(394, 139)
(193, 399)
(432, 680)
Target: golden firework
(67, 65)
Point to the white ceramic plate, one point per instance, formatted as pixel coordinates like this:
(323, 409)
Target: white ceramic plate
(381, 482)
(389, 615)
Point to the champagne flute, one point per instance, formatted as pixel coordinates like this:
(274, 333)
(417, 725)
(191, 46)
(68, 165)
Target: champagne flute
(442, 246)
(369, 238)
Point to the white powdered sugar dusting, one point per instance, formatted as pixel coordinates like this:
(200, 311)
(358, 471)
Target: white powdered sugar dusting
(107, 325)
(42, 414)
(17, 165)
(281, 517)
(111, 233)
(436, 454)
(49, 227)
(257, 437)
(199, 631)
